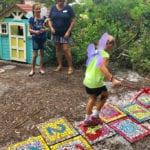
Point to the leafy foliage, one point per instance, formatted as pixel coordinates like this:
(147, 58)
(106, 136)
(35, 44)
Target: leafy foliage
(46, 2)
(127, 21)
(140, 54)
(4, 3)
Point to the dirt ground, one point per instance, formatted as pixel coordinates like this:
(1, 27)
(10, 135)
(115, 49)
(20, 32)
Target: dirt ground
(27, 101)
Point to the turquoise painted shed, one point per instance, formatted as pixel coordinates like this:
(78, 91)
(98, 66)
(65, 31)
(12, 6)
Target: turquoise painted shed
(15, 39)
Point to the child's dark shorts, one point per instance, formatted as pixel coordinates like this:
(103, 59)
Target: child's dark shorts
(96, 91)
(38, 44)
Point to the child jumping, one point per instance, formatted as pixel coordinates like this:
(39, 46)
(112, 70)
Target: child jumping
(94, 78)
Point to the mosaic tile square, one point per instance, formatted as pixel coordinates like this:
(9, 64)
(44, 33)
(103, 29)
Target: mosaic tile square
(144, 100)
(34, 143)
(76, 143)
(96, 133)
(110, 113)
(137, 112)
(56, 130)
(129, 129)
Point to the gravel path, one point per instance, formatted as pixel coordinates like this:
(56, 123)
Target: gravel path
(27, 101)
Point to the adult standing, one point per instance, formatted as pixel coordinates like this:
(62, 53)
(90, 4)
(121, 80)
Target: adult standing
(61, 22)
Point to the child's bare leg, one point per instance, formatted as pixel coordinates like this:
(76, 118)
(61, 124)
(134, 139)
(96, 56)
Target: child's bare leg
(35, 53)
(99, 105)
(92, 119)
(89, 107)
(41, 59)
(90, 104)
(32, 72)
(101, 102)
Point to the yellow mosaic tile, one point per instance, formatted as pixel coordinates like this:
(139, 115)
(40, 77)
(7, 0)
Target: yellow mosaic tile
(56, 130)
(75, 143)
(34, 143)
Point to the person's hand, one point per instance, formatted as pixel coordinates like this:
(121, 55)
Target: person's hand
(42, 30)
(37, 32)
(116, 82)
(67, 34)
(52, 30)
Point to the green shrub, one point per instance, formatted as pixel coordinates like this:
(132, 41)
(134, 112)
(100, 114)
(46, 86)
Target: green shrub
(126, 20)
(50, 52)
(140, 55)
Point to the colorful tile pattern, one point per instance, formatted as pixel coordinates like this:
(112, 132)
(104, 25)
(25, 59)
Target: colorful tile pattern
(35, 143)
(56, 130)
(137, 111)
(110, 113)
(76, 143)
(129, 129)
(144, 100)
(96, 133)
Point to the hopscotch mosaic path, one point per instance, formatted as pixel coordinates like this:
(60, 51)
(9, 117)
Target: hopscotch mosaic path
(130, 129)
(96, 133)
(144, 100)
(34, 143)
(73, 144)
(56, 130)
(110, 113)
(137, 111)
(59, 134)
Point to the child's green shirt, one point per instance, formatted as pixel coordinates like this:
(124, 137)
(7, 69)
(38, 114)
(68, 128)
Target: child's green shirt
(94, 77)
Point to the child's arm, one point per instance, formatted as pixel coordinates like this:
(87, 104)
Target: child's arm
(107, 74)
(32, 31)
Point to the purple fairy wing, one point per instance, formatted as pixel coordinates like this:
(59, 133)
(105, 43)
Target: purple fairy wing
(101, 46)
(102, 41)
(90, 53)
(90, 49)
(99, 59)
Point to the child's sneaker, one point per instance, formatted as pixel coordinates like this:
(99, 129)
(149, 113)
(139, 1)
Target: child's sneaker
(93, 121)
(96, 120)
(88, 123)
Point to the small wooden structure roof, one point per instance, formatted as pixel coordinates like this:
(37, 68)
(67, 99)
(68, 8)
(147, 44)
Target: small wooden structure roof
(22, 7)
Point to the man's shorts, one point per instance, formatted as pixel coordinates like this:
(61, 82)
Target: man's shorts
(96, 91)
(39, 44)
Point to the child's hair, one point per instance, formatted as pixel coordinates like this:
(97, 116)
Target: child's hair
(110, 40)
(33, 7)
